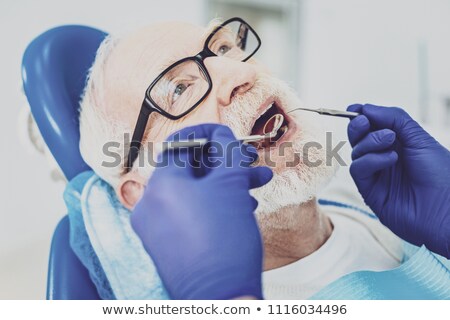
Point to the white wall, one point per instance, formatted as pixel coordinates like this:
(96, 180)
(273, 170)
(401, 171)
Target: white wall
(385, 52)
(31, 204)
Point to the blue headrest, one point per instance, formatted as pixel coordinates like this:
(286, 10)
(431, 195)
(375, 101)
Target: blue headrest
(54, 70)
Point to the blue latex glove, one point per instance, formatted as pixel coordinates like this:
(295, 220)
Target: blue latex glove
(198, 223)
(403, 175)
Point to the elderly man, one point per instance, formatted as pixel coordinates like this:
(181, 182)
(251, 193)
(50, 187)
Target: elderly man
(306, 246)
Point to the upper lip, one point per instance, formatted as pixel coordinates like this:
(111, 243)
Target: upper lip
(265, 106)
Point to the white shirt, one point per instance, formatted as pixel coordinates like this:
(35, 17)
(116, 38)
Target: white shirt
(351, 247)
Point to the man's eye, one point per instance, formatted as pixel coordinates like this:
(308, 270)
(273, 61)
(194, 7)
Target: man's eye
(223, 50)
(179, 89)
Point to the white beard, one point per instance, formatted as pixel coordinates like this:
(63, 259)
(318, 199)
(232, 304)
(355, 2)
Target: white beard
(289, 186)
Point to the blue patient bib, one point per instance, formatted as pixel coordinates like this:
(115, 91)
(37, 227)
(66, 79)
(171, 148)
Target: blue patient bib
(120, 267)
(423, 276)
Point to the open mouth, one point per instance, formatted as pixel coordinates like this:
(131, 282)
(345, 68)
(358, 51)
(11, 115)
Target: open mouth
(266, 123)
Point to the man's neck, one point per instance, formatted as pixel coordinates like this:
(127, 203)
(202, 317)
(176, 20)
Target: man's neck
(293, 233)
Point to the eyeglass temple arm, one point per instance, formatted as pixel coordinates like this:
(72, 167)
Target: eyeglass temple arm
(242, 36)
(138, 134)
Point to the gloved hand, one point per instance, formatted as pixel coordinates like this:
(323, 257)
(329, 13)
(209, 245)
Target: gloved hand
(403, 175)
(198, 223)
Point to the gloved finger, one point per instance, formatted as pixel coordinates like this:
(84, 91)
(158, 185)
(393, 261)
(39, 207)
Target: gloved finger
(408, 131)
(254, 204)
(248, 155)
(259, 176)
(385, 117)
(234, 154)
(374, 142)
(357, 129)
(363, 169)
(355, 107)
(231, 152)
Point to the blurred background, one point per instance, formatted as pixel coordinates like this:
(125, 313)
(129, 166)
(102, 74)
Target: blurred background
(333, 53)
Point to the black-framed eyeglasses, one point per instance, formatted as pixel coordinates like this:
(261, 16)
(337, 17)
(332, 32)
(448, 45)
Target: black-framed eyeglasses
(182, 86)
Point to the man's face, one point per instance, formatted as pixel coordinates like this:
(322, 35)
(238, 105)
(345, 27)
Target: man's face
(243, 96)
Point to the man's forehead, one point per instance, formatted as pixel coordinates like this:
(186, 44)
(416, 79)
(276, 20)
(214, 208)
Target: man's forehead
(157, 46)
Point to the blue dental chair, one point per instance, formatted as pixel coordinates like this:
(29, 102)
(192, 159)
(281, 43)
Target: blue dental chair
(54, 70)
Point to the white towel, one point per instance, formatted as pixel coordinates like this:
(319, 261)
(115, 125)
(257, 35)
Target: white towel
(127, 266)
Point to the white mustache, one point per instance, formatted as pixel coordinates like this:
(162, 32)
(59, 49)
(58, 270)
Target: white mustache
(244, 110)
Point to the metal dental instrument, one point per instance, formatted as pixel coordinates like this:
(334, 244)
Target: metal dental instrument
(330, 112)
(277, 123)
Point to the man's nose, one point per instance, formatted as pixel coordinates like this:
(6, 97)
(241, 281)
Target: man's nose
(230, 78)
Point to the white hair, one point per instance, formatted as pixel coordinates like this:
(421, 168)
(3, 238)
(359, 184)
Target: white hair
(97, 127)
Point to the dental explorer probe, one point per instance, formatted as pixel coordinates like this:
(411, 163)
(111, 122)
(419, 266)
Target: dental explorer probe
(278, 121)
(330, 112)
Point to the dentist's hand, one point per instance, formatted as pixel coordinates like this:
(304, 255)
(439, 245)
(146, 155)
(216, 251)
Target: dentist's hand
(403, 175)
(198, 223)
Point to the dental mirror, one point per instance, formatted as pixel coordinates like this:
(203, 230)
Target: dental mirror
(270, 131)
(272, 125)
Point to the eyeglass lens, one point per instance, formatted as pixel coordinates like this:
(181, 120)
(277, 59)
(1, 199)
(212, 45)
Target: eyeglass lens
(234, 40)
(180, 88)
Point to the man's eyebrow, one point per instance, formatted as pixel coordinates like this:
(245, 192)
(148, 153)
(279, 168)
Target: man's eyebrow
(168, 62)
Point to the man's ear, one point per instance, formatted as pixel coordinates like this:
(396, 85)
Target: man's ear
(130, 189)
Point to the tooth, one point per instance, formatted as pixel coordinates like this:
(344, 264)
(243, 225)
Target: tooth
(265, 110)
(269, 106)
